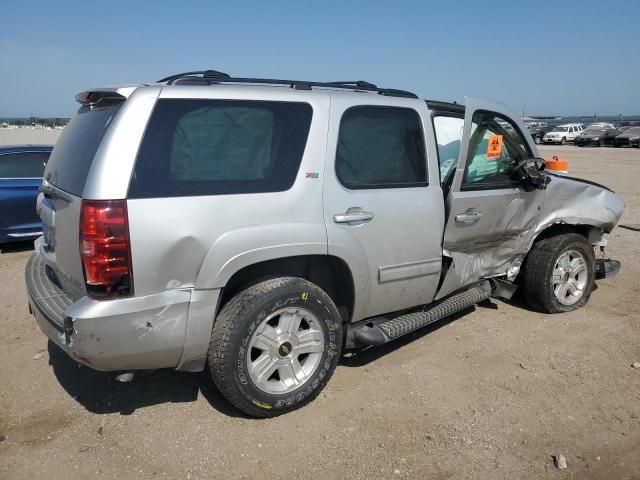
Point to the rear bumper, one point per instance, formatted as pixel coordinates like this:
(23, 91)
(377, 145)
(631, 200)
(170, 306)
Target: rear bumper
(125, 334)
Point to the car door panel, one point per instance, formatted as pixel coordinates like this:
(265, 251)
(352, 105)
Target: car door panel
(495, 239)
(393, 242)
(19, 202)
(18, 193)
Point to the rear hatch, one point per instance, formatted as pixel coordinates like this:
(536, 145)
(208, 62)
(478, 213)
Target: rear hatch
(60, 200)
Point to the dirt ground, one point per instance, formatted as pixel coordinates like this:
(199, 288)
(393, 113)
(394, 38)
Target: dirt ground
(493, 394)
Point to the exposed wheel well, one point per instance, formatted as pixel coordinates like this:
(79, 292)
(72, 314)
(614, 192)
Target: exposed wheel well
(562, 228)
(330, 273)
(591, 233)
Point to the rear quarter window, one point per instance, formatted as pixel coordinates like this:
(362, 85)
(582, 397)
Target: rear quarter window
(220, 147)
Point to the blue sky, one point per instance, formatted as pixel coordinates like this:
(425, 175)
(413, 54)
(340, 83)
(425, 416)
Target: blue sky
(555, 57)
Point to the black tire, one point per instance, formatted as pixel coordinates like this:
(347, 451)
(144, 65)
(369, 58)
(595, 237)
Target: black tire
(233, 330)
(563, 141)
(538, 269)
(601, 143)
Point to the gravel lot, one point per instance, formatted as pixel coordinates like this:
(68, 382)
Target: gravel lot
(493, 394)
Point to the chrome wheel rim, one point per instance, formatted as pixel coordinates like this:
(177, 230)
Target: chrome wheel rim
(285, 350)
(569, 278)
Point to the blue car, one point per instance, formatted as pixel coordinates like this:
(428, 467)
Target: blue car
(21, 171)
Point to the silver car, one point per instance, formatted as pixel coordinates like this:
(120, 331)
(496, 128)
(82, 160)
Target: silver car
(259, 228)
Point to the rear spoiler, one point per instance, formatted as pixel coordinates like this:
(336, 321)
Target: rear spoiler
(99, 96)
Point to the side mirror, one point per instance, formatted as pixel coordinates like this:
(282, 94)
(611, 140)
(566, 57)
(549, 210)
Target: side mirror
(531, 173)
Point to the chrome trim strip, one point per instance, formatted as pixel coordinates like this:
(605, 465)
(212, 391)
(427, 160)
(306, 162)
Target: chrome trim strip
(392, 273)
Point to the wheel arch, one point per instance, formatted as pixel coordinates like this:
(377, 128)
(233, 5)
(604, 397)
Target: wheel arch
(592, 233)
(330, 273)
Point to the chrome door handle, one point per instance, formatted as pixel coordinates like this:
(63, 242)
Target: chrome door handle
(470, 216)
(352, 217)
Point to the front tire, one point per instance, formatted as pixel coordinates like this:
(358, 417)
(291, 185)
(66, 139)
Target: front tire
(558, 274)
(563, 141)
(275, 345)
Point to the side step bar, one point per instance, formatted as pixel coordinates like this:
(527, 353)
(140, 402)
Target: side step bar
(391, 329)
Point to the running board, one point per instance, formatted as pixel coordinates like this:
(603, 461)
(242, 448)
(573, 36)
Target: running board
(388, 330)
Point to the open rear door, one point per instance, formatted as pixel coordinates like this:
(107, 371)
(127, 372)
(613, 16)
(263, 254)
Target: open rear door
(487, 211)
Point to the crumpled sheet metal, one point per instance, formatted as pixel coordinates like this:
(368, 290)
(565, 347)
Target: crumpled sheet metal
(575, 202)
(565, 201)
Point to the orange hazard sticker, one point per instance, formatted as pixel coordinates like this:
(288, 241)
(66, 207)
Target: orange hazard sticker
(494, 146)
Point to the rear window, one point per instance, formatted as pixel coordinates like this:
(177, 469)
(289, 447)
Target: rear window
(220, 147)
(23, 164)
(73, 154)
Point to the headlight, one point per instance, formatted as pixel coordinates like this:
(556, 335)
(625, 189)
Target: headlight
(634, 138)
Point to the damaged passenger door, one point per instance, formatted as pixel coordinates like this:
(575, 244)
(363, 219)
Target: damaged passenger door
(490, 208)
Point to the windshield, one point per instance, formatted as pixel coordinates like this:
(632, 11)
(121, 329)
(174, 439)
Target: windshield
(593, 131)
(633, 131)
(561, 129)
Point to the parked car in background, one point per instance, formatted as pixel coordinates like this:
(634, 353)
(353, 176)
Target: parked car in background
(629, 138)
(600, 125)
(563, 133)
(21, 170)
(538, 132)
(624, 126)
(597, 136)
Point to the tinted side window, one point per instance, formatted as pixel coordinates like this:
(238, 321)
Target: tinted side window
(220, 147)
(494, 151)
(23, 164)
(73, 154)
(381, 147)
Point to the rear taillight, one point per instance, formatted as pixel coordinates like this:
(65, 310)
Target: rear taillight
(105, 248)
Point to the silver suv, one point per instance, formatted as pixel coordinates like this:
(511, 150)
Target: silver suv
(261, 227)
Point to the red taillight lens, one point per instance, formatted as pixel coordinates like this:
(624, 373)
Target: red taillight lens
(104, 248)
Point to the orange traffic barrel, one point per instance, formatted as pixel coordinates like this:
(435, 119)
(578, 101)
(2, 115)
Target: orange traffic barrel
(557, 165)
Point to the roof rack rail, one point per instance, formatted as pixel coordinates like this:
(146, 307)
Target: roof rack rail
(207, 77)
(453, 107)
(205, 74)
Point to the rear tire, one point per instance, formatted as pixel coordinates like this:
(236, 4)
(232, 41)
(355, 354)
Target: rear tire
(558, 274)
(275, 345)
